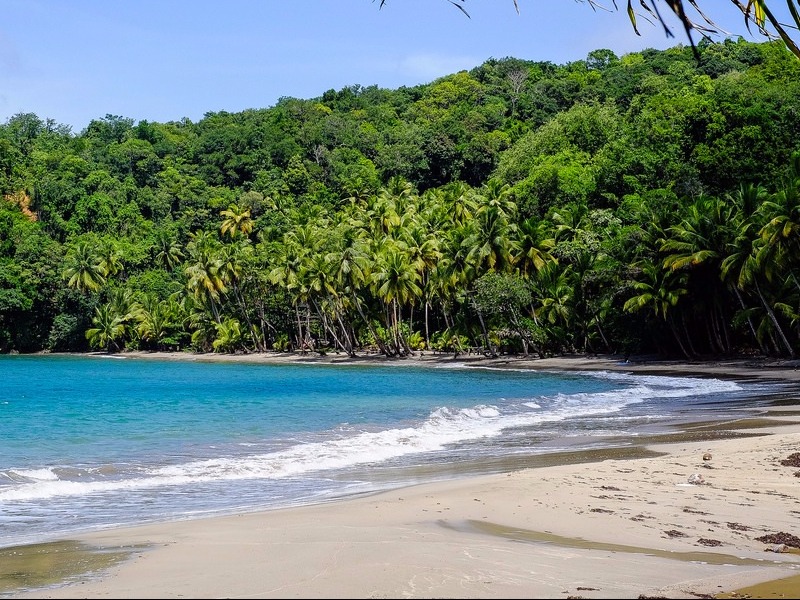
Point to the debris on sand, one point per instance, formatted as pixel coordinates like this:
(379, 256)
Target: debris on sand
(793, 460)
(709, 542)
(673, 533)
(780, 538)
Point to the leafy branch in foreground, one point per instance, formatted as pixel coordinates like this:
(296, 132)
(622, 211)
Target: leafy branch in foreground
(756, 13)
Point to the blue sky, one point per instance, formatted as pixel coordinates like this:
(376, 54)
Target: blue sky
(77, 60)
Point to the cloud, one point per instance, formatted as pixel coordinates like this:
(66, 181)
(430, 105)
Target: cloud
(426, 67)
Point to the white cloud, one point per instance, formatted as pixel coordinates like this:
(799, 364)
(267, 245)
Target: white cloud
(426, 67)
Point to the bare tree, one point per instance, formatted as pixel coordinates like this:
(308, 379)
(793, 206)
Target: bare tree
(516, 80)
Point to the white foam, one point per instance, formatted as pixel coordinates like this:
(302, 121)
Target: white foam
(442, 427)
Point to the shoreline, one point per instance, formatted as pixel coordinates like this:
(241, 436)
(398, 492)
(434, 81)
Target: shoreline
(609, 526)
(744, 367)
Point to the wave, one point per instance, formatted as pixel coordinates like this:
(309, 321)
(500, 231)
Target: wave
(346, 447)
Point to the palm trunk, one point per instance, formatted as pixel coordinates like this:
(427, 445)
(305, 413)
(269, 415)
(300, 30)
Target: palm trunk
(689, 343)
(381, 346)
(427, 329)
(300, 340)
(602, 334)
(750, 322)
(486, 343)
(243, 307)
(774, 320)
(677, 336)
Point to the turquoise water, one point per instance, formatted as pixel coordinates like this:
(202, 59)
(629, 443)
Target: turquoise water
(95, 442)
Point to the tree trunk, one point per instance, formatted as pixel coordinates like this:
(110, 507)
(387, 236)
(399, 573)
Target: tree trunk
(381, 346)
(300, 341)
(677, 336)
(750, 322)
(427, 330)
(486, 343)
(774, 320)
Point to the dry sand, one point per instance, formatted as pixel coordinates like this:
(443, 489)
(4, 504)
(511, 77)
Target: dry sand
(609, 528)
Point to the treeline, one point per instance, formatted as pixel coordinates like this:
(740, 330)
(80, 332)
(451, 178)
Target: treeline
(643, 203)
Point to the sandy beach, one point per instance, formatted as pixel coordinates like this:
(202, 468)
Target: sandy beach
(708, 511)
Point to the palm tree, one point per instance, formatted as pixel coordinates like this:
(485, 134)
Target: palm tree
(318, 272)
(399, 193)
(756, 13)
(697, 245)
(533, 245)
(156, 319)
(781, 231)
(351, 267)
(229, 335)
(110, 257)
(492, 241)
(205, 271)
(108, 328)
(744, 243)
(237, 221)
(748, 270)
(83, 268)
(168, 252)
(460, 201)
(659, 291)
(424, 253)
(396, 282)
(554, 291)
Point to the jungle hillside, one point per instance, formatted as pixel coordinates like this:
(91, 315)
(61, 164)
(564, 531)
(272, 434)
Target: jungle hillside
(645, 203)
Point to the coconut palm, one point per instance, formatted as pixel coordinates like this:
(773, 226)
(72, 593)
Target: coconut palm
(83, 268)
(236, 221)
(697, 245)
(781, 230)
(110, 257)
(395, 280)
(108, 328)
(351, 266)
(157, 319)
(206, 280)
(229, 335)
(168, 251)
(533, 246)
(743, 247)
(492, 240)
(659, 291)
(425, 253)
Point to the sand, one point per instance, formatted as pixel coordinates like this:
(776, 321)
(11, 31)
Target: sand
(597, 527)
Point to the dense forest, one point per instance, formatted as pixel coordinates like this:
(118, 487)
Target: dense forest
(643, 203)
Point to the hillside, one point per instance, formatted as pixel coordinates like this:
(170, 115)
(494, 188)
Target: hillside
(643, 203)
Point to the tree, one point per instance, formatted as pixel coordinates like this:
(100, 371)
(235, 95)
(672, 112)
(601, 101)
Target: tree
(83, 268)
(108, 328)
(505, 297)
(396, 282)
(756, 13)
(237, 221)
(659, 290)
(168, 253)
(205, 279)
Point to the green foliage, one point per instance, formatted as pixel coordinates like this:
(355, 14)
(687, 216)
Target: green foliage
(646, 202)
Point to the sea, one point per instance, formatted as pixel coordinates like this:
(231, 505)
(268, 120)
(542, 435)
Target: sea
(93, 442)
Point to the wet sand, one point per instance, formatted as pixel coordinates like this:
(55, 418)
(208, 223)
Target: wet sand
(612, 523)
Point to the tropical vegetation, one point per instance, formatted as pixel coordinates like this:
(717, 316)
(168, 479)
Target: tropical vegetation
(642, 203)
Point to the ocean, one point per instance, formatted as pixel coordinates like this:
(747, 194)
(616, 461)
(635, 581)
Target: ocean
(94, 442)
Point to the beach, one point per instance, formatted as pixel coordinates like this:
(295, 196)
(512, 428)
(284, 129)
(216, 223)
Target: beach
(686, 515)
